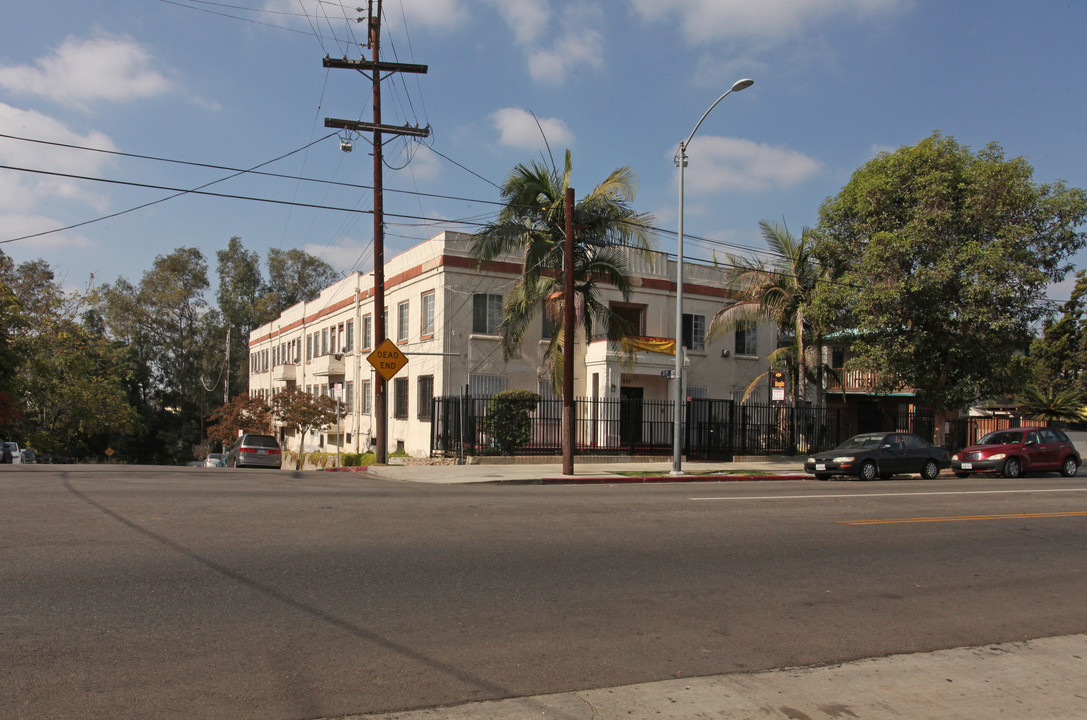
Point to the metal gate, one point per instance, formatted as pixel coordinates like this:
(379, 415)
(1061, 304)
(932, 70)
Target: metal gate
(709, 429)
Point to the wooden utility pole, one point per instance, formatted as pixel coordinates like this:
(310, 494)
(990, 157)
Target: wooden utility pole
(569, 429)
(375, 68)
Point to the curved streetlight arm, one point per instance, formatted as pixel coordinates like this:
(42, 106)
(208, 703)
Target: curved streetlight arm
(736, 87)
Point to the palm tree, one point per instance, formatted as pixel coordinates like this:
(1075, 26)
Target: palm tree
(781, 291)
(1050, 403)
(533, 223)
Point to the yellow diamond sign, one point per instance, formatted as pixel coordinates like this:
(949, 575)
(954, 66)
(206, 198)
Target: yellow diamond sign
(387, 359)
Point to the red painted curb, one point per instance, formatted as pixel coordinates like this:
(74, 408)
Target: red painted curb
(666, 479)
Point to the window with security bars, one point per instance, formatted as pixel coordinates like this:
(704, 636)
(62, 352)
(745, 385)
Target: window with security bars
(425, 396)
(400, 398)
(365, 397)
(486, 384)
(486, 313)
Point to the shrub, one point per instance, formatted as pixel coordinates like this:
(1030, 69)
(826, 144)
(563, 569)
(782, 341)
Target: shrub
(507, 420)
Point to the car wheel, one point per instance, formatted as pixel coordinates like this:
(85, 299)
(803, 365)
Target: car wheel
(1069, 467)
(1013, 468)
(930, 470)
(822, 476)
(868, 470)
(962, 474)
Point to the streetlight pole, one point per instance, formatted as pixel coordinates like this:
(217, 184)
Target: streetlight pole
(681, 163)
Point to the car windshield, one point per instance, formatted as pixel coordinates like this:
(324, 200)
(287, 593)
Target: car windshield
(862, 442)
(1002, 437)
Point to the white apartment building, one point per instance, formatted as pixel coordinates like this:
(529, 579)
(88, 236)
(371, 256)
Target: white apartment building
(443, 311)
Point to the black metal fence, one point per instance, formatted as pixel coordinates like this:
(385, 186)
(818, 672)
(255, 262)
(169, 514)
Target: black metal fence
(713, 429)
(604, 426)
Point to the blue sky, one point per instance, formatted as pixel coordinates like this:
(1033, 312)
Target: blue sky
(238, 83)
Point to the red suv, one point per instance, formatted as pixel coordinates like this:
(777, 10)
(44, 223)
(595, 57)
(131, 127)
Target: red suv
(1017, 451)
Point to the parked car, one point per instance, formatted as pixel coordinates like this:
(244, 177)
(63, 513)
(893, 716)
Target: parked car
(214, 460)
(882, 455)
(1017, 451)
(29, 456)
(12, 453)
(5, 453)
(252, 450)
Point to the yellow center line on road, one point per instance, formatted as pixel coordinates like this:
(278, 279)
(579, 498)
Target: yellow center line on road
(958, 518)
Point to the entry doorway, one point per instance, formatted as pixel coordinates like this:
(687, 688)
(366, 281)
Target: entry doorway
(630, 415)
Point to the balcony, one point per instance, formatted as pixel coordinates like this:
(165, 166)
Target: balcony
(652, 355)
(284, 373)
(328, 366)
(859, 382)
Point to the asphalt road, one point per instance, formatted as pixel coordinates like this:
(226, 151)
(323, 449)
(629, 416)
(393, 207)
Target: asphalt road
(193, 593)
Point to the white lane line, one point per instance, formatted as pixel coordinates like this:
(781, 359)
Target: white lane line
(901, 494)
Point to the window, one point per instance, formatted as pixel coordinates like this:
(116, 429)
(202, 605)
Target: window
(309, 347)
(486, 384)
(632, 316)
(400, 398)
(486, 313)
(349, 397)
(426, 394)
(367, 326)
(746, 337)
(349, 337)
(426, 328)
(402, 321)
(365, 397)
(333, 340)
(324, 341)
(694, 332)
(837, 357)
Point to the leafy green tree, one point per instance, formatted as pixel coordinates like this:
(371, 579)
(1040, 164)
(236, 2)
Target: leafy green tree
(301, 413)
(1059, 357)
(940, 259)
(508, 422)
(243, 304)
(781, 291)
(294, 276)
(12, 323)
(64, 382)
(532, 224)
(163, 321)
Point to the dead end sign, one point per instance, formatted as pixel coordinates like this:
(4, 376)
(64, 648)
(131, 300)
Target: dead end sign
(387, 359)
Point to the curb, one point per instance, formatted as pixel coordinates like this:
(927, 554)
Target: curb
(623, 480)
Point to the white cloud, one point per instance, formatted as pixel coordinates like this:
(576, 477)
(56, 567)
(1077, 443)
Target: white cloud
(717, 164)
(23, 192)
(707, 20)
(575, 43)
(579, 48)
(527, 18)
(83, 71)
(518, 129)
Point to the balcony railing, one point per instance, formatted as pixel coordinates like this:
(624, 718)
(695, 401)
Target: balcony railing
(856, 381)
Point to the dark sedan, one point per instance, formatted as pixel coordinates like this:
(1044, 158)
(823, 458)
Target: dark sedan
(879, 455)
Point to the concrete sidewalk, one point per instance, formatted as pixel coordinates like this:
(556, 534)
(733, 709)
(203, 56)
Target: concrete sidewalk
(591, 472)
(1037, 679)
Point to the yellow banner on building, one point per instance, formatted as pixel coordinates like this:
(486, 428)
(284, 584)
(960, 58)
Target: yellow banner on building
(667, 346)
